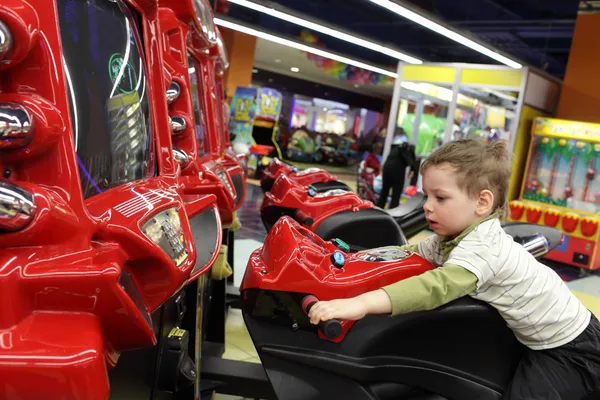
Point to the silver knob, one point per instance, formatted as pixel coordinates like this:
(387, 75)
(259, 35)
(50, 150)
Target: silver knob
(173, 92)
(181, 157)
(17, 207)
(6, 40)
(16, 125)
(178, 125)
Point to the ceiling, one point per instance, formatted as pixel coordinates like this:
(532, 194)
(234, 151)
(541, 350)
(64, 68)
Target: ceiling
(535, 32)
(274, 57)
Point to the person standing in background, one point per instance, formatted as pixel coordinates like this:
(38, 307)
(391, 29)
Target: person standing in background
(402, 155)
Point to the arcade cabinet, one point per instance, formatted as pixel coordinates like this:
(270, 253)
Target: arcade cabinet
(561, 188)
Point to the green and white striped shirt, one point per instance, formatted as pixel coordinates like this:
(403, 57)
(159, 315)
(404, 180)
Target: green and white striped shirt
(533, 300)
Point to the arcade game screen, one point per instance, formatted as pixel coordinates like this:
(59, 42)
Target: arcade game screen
(563, 172)
(198, 104)
(107, 92)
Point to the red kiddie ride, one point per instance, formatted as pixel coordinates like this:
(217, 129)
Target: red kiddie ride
(320, 179)
(462, 350)
(332, 214)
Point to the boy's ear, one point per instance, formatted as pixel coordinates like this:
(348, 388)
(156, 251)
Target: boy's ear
(485, 202)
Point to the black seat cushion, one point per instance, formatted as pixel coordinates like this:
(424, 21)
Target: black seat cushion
(365, 229)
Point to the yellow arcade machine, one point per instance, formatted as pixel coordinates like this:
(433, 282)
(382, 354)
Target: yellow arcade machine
(561, 188)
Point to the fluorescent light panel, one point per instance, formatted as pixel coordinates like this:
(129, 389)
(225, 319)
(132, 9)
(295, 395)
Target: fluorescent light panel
(429, 24)
(327, 31)
(302, 47)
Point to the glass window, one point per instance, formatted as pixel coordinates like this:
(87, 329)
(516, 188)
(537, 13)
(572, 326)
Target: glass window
(108, 94)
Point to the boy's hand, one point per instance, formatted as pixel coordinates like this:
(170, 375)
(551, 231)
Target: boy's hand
(344, 309)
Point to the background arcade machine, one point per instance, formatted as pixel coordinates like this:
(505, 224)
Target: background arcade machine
(253, 124)
(107, 243)
(561, 188)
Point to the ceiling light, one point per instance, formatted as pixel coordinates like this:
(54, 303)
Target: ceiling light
(328, 31)
(457, 37)
(290, 43)
(295, 69)
(277, 60)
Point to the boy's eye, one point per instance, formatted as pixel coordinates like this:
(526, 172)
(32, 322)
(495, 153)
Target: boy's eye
(440, 198)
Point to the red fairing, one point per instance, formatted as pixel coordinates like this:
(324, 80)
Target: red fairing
(294, 259)
(301, 177)
(210, 170)
(288, 194)
(80, 280)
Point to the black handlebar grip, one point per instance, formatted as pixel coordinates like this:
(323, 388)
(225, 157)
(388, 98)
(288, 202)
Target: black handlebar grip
(332, 328)
(303, 218)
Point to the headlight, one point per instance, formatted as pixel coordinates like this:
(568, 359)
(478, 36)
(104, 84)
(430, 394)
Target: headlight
(223, 178)
(164, 229)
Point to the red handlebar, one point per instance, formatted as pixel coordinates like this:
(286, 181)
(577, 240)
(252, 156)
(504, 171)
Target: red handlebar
(303, 218)
(332, 328)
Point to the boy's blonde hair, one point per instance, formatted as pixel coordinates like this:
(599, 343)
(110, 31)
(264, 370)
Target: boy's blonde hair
(479, 165)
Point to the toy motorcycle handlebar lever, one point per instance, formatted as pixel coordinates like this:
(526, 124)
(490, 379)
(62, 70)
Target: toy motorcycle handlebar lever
(332, 328)
(302, 218)
(536, 244)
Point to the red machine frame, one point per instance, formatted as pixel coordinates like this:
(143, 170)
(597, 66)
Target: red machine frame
(85, 265)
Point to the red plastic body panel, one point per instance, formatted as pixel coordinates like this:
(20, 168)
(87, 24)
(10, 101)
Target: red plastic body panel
(65, 313)
(180, 37)
(294, 259)
(303, 177)
(288, 194)
(46, 348)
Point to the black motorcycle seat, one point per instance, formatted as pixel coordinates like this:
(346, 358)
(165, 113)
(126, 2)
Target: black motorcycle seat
(414, 203)
(321, 187)
(364, 229)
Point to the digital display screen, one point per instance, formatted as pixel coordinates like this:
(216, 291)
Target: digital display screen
(197, 104)
(108, 94)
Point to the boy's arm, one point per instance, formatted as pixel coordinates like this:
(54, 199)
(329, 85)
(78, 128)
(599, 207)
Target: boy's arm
(430, 289)
(422, 292)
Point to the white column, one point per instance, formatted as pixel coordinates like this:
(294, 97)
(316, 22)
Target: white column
(391, 126)
(452, 106)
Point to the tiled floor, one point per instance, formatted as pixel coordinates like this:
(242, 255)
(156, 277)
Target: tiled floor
(239, 345)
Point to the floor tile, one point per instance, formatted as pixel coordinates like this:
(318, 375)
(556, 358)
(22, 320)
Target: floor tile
(242, 251)
(589, 285)
(233, 352)
(591, 302)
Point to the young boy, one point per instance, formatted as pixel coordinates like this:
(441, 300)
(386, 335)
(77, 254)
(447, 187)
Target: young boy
(466, 184)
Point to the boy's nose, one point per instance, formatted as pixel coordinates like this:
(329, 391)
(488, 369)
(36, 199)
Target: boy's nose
(427, 207)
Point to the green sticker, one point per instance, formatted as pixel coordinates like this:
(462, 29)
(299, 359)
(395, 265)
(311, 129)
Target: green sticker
(128, 80)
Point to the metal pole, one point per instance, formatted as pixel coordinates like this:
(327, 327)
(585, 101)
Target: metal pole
(391, 126)
(452, 106)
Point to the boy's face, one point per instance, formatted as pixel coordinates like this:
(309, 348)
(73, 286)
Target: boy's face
(448, 209)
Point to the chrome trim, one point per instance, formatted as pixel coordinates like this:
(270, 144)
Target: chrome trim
(178, 125)
(173, 92)
(222, 51)
(537, 245)
(16, 125)
(6, 40)
(17, 207)
(181, 157)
